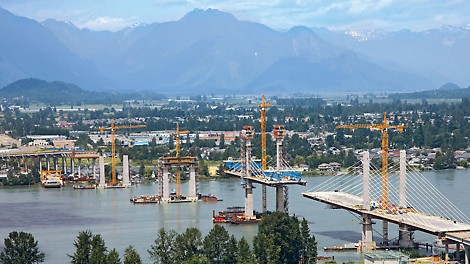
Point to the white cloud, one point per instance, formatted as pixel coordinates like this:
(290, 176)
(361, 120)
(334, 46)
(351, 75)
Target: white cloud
(106, 23)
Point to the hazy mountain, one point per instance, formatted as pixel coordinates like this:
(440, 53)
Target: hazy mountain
(60, 93)
(205, 51)
(28, 49)
(441, 55)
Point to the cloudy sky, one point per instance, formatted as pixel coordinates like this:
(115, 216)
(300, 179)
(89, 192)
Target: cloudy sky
(279, 14)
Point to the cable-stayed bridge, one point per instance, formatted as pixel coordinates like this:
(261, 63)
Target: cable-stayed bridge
(413, 203)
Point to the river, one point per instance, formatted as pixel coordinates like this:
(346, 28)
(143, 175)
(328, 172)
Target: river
(56, 216)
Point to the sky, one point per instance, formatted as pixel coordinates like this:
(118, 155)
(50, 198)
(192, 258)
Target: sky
(390, 15)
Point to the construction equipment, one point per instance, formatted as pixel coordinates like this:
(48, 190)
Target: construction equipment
(262, 107)
(383, 127)
(177, 135)
(113, 128)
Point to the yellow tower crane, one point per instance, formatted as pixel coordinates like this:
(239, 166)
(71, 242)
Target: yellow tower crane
(262, 107)
(113, 128)
(383, 127)
(177, 135)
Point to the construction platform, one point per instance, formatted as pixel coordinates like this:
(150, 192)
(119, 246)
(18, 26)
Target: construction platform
(267, 181)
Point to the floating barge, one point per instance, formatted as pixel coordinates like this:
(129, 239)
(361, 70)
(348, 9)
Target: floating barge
(153, 199)
(235, 215)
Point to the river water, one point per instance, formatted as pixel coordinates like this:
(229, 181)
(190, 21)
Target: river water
(56, 216)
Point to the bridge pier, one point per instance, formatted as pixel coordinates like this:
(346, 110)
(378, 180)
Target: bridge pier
(405, 236)
(166, 185)
(192, 193)
(125, 171)
(367, 243)
(280, 198)
(248, 198)
(467, 254)
(102, 174)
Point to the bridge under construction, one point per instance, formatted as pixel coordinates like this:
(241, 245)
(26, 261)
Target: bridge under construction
(413, 204)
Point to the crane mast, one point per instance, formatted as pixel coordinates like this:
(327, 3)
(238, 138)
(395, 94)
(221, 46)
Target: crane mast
(113, 128)
(262, 108)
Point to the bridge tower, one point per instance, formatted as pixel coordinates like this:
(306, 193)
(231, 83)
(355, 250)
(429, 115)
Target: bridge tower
(383, 127)
(367, 243)
(282, 197)
(248, 134)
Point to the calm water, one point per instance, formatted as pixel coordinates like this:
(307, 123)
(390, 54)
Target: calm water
(56, 216)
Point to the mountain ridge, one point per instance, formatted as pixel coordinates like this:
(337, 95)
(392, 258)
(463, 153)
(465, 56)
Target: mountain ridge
(210, 50)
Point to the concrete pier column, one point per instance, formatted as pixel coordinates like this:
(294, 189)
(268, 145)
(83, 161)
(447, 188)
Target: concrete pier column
(192, 194)
(365, 181)
(403, 203)
(102, 175)
(56, 163)
(40, 164)
(457, 252)
(166, 185)
(64, 166)
(248, 198)
(48, 163)
(94, 168)
(125, 171)
(280, 198)
(79, 168)
(367, 243)
(467, 254)
(72, 166)
(405, 236)
(446, 250)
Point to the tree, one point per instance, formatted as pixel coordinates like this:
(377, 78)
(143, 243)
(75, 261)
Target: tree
(222, 141)
(308, 250)
(219, 247)
(98, 250)
(163, 249)
(245, 255)
(188, 244)
(82, 248)
(278, 239)
(21, 247)
(113, 257)
(131, 256)
(89, 248)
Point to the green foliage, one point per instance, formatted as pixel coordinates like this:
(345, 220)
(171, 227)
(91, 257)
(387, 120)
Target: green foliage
(131, 256)
(308, 249)
(219, 246)
(280, 240)
(163, 251)
(245, 255)
(21, 247)
(113, 257)
(89, 248)
(188, 244)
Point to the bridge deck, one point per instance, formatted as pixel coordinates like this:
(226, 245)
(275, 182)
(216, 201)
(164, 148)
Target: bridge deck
(267, 181)
(427, 223)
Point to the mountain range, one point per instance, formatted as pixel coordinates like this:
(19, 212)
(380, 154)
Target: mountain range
(210, 51)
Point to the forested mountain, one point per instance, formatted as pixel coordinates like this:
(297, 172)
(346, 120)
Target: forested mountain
(55, 93)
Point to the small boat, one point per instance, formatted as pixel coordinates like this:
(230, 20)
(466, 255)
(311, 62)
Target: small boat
(145, 199)
(52, 179)
(84, 187)
(209, 198)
